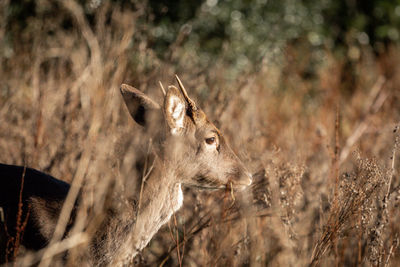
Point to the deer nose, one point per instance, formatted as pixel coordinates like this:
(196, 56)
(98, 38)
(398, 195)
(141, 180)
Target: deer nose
(249, 178)
(245, 181)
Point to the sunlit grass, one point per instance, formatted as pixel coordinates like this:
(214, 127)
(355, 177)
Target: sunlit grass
(314, 200)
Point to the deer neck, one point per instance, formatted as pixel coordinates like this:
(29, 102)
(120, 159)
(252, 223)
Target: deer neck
(161, 197)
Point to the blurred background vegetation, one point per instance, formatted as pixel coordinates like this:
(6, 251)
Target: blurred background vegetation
(239, 33)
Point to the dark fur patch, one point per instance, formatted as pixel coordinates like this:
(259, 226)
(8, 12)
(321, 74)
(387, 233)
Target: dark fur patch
(204, 180)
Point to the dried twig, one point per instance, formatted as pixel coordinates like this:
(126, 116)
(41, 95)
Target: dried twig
(376, 100)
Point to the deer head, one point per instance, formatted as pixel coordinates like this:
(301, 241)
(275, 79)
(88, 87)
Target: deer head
(198, 150)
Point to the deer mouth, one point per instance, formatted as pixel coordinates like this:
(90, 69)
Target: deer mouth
(240, 185)
(205, 187)
(236, 187)
(204, 182)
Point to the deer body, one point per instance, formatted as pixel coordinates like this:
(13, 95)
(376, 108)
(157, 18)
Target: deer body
(37, 189)
(192, 153)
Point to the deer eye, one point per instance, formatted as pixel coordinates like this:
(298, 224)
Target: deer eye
(210, 140)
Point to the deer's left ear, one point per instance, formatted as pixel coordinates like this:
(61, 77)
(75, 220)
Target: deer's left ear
(175, 111)
(141, 107)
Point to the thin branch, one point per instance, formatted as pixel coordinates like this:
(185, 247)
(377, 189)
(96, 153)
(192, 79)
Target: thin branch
(374, 103)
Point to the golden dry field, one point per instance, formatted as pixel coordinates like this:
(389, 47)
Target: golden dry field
(324, 152)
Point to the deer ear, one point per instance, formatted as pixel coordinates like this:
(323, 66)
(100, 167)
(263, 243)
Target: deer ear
(140, 106)
(175, 110)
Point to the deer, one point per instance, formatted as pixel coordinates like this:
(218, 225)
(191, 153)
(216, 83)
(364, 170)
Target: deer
(191, 152)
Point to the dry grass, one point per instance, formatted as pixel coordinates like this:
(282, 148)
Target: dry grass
(314, 200)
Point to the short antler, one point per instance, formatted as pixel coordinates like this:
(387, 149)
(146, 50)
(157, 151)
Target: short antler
(162, 87)
(191, 103)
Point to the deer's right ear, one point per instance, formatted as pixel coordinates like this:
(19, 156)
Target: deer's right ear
(175, 110)
(140, 106)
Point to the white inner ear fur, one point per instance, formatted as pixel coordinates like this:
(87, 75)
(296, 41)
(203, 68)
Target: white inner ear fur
(177, 110)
